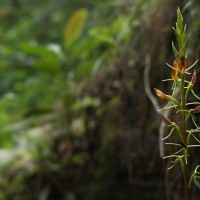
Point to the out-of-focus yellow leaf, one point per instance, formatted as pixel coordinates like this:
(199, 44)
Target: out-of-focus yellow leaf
(75, 26)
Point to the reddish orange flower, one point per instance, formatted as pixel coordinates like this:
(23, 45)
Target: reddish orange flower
(194, 77)
(162, 95)
(174, 72)
(182, 63)
(166, 120)
(195, 110)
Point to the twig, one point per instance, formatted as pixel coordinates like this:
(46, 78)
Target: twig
(153, 101)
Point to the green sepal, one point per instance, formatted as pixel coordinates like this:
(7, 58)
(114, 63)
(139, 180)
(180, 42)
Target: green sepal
(175, 102)
(181, 163)
(189, 136)
(187, 91)
(191, 179)
(178, 131)
(185, 154)
(179, 24)
(176, 53)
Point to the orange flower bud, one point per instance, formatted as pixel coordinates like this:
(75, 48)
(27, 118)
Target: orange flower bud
(162, 95)
(182, 64)
(174, 72)
(194, 77)
(166, 120)
(195, 110)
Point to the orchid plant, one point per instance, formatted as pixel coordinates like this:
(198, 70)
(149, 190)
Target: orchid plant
(179, 71)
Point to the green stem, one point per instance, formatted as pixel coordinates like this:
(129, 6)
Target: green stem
(183, 105)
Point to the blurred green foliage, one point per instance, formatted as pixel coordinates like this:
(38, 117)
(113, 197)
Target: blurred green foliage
(47, 49)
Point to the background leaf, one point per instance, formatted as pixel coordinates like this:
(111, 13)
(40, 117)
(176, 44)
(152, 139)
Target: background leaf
(75, 26)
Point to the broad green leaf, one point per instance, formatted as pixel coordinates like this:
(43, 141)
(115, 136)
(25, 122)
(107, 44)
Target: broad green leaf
(75, 26)
(47, 64)
(102, 35)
